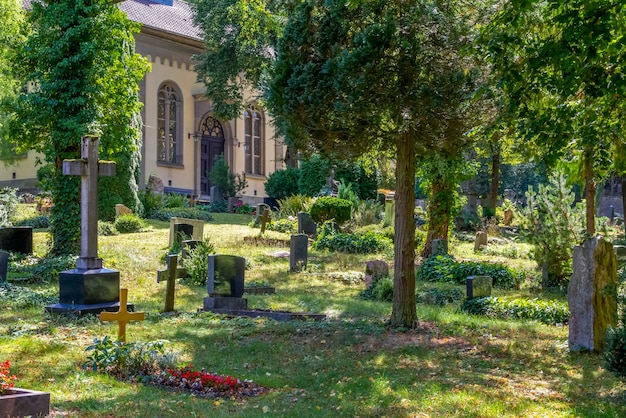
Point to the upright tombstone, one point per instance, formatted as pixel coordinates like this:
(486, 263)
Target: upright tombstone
(265, 219)
(508, 217)
(17, 239)
(217, 195)
(122, 210)
(225, 282)
(299, 252)
(233, 202)
(439, 247)
(191, 228)
(478, 286)
(592, 295)
(620, 253)
(374, 270)
(481, 240)
(260, 210)
(306, 224)
(89, 288)
(4, 266)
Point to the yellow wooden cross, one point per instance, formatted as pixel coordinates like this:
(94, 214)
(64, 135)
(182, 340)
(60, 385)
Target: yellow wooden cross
(122, 316)
(267, 217)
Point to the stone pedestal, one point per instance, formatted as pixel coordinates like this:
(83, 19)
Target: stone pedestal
(225, 302)
(592, 294)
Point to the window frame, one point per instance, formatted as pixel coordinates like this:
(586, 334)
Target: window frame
(169, 95)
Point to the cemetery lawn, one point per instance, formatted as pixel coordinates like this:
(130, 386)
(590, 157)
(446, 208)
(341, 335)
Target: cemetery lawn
(351, 365)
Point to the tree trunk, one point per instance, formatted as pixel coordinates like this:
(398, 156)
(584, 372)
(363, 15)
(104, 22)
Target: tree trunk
(590, 195)
(438, 215)
(624, 200)
(404, 313)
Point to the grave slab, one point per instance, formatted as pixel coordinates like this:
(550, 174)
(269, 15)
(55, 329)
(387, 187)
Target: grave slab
(478, 286)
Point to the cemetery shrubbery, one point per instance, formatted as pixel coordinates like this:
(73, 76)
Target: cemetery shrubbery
(38, 222)
(290, 206)
(326, 208)
(615, 344)
(20, 297)
(40, 269)
(189, 213)
(362, 242)
(106, 228)
(129, 223)
(444, 268)
(549, 312)
(8, 205)
(439, 296)
(196, 262)
(283, 183)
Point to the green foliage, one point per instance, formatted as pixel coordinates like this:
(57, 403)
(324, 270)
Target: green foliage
(8, 205)
(439, 296)
(368, 212)
(615, 340)
(283, 183)
(383, 289)
(549, 312)
(365, 242)
(346, 192)
(291, 205)
(364, 183)
(553, 225)
(151, 202)
(129, 223)
(175, 200)
(215, 207)
(313, 175)
(230, 183)
(444, 268)
(196, 262)
(106, 228)
(189, 213)
(243, 209)
(326, 208)
(42, 269)
(38, 221)
(283, 225)
(18, 297)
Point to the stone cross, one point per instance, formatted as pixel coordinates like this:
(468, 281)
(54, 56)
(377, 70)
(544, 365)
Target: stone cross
(88, 168)
(172, 272)
(267, 217)
(122, 316)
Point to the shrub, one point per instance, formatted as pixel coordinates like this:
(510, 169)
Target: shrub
(8, 205)
(439, 297)
(196, 262)
(151, 202)
(18, 297)
(313, 175)
(363, 184)
(383, 289)
(243, 209)
(42, 269)
(444, 268)
(615, 343)
(189, 213)
(216, 207)
(346, 192)
(328, 208)
(230, 183)
(175, 200)
(283, 183)
(39, 221)
(368, 212)
(106, 228)
(283, 225)
(290, 206)
(129, 223)
(549, 312)
(364, 242)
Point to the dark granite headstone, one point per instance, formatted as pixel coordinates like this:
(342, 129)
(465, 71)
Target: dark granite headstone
(306, 224)
(299, 252)
(439, 247)
(182, 232)
(479, 286)
(217, 195)
(17, 239)
(226, 275)
(87, 287)
(233, 202)
(4, 266)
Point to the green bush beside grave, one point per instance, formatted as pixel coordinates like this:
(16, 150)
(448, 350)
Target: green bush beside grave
(129, 223)
(549, 312)
(196, 262)
(283, 183)
(359, 243)
(328, 208)
(439, 296)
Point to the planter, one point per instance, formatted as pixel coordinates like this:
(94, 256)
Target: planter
(18, 402)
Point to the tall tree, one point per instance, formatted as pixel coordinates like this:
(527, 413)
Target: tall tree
(82, 76)
(372, 76)
(559, 66)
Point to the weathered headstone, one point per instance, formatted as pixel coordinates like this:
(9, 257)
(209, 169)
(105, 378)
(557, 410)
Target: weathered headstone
(122, 210)
(260, 210)
(4, 266)
(17, 239)
(299, 252)
(196, 232)
(592, 295)
(171, 274)
(217, 195)
(439, 247)
(478, 286)
(481, 240)
(265, 219)
(233, 202)
(620, 253)
(122, 316)
(306, 224)
(155, 184)
(225, 282)
(508, 217)
(182, 232)
(374, 270)
(89, 288)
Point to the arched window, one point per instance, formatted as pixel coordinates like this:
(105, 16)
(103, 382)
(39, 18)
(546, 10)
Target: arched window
(169, 126)
(253, 140)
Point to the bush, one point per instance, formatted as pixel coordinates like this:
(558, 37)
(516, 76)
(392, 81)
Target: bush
(106, 228)
(328, 208)
(129, 223)
(383, 289)
(444, 268)
(189, 213)
(283, 225)
(8, 205)
(439, 297)
(549, 312)
(216, 207)
(615, 343)
(151, 202)
(364, 185)
(368, 212)
(290, 206)
(40, 222)
(230, 183)
(196, 262)
(283, 183)
(364, 242)
(175, 200)
(243, 209)
(42, 269)
(313, 175)
(18, 297)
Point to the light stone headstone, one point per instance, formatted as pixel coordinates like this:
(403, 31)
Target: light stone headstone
(122, 210)
(4, 266)
(592, 295)
(299, 252)
(478, 286)
(508, 217)
(197, 233)
(374, 270)
(481, 240)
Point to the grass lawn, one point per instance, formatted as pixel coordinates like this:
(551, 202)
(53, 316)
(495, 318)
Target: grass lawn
(350, 365)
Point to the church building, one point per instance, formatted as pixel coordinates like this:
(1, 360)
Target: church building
(181, 137)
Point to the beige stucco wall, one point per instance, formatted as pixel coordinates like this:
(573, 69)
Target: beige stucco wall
(22, 173)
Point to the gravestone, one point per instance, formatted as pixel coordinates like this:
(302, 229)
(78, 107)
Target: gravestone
(225, 282)
(481, 240)
(478, 286)
(306, 224)
(233, 202)
(122, 316)
(374, 270)
(4, 266)
(620, 253)
(439, 247)
(17, 239)
(155, 184)
(217, 195)
(508, 217)
(591, 294)
(122, 210)
(89, 288)
(182, 232)
(196, 232)
(260, 210)
(299, 252)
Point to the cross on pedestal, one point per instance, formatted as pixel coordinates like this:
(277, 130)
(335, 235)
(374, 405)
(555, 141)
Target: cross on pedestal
(88, 168)
(267, 217)
(122, 316)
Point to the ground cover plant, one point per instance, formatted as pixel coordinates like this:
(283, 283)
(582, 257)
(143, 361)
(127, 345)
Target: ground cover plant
(353, 364)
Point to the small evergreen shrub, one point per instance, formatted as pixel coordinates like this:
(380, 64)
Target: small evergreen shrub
(41, 269)
(151, 202)
(283, 183)
(313, 175)
(106, 228)
(196, 262)
(383, 289)
(216, 207)
(549, 312)
(444, 268)
(189, 213)
(328, 208)
(38, 222)
(367, 242)
(230, 183)
(129, 223)
(283, 225)
(290, 206)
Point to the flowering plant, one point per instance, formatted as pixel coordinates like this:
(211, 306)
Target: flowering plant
(199, 380)
(6, 379)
